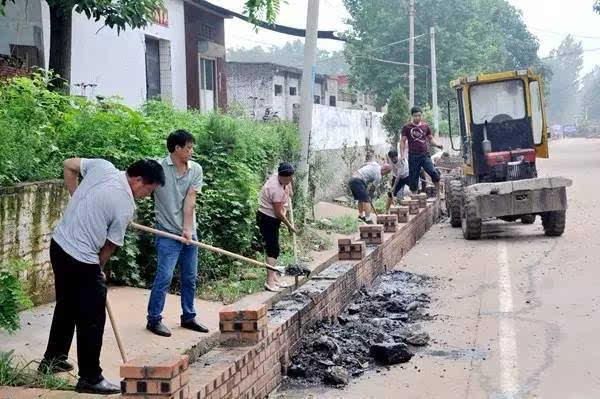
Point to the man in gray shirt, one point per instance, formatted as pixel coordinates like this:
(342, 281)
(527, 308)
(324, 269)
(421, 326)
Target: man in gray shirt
(369, 173)
(175, 205)
(92, 228)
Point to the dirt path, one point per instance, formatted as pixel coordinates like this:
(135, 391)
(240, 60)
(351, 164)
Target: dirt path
(517, 316)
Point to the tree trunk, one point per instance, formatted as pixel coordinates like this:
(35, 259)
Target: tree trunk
(60, 45)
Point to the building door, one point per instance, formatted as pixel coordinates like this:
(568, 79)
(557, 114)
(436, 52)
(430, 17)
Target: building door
(152, 68)
(207, 84)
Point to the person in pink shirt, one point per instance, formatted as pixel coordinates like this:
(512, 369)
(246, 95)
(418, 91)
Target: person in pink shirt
(273, 202)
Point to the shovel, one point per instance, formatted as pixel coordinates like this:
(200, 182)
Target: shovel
(116, 331)
(205, 246)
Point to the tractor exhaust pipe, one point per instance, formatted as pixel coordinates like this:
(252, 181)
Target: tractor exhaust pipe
(486, 145)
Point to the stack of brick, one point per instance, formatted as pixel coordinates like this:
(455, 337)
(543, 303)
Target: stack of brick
(389, 222)
(243, 324)
(401, 212)
(372, 234)
(422, 198)
(349, 250)
(156, 377)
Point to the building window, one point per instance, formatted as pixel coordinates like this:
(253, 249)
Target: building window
(332, 101)
(293, 91)
(317, 100)
(278, 90)
(152, 68)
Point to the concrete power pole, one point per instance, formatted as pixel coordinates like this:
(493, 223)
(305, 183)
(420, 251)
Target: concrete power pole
(306, 95)
(411, 55)
(434, 99)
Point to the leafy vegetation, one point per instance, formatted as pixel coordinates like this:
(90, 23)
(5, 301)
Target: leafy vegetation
(566, 63)
(346, 224)
(472, 36)
(42, 128)
(397, 115)
(12, 294)
(15, 373)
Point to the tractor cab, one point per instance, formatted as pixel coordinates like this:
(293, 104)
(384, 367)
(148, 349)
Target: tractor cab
(502, 125)
(502, 133)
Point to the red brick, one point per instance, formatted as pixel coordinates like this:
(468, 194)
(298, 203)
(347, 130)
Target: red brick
(243, 312)
(164, 366)
(149, 386)
(183, 393)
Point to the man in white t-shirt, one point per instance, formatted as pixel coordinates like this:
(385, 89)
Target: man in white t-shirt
(92, 228)
(399, 177)
(369, 173)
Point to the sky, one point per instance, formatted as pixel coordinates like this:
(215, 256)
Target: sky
(549, 20)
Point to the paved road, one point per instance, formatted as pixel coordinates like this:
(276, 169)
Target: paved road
(517, 311)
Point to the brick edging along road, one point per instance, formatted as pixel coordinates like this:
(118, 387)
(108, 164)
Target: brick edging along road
(254, 372)
(228, 372)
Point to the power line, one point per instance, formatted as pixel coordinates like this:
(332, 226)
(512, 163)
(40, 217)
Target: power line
(565, 34)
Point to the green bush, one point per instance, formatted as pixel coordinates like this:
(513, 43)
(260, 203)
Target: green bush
(237, 154)
(12, 294)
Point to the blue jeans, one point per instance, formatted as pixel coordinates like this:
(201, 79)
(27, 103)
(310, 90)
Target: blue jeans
(169, 253)
(415, 163)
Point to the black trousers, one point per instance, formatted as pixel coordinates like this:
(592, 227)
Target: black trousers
(80, 305)
(269, 229)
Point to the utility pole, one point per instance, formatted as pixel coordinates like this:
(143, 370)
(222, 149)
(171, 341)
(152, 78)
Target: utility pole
(306, 94)
(434, 99)
(411, 55)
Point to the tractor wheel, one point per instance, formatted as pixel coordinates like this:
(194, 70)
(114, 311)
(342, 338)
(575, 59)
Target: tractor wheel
(554, 223)
(528, 219)
(456, 195)
(470, 222)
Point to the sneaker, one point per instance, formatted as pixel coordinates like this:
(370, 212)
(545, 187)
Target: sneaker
(362, 218)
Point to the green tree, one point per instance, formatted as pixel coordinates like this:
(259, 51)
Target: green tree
(291, 54)
(590, 90)
(397, 116)
(119, 14)
(565, 62)
(472, 36)
(266, 10)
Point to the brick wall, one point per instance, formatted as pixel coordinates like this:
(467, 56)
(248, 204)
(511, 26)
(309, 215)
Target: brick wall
(245, 80)
(254, 372)
(28, 214)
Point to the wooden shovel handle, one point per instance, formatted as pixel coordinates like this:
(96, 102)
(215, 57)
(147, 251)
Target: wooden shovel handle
(203, 246)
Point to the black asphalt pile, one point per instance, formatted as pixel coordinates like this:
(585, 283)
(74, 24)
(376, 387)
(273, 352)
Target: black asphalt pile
(379, 328)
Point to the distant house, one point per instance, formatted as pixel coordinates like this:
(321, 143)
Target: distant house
(351, 99)
(180, 57)
(256, 86)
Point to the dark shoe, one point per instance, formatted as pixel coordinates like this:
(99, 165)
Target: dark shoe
(369, 221)
(194, 325)
(362, 219)
(102, 388)
(159, 329)
(54, 366)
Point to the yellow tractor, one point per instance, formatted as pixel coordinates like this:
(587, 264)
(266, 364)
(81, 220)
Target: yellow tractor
(503, 131)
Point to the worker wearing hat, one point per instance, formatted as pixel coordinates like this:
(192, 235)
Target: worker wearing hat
(272, 211)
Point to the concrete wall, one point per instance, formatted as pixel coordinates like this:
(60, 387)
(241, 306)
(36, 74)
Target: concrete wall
(22, 24)
(338, 141)
(114, 62)
(240, 87)
(332, 127)
(28, 214)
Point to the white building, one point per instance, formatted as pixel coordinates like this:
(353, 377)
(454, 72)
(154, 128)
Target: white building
(179, 58)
